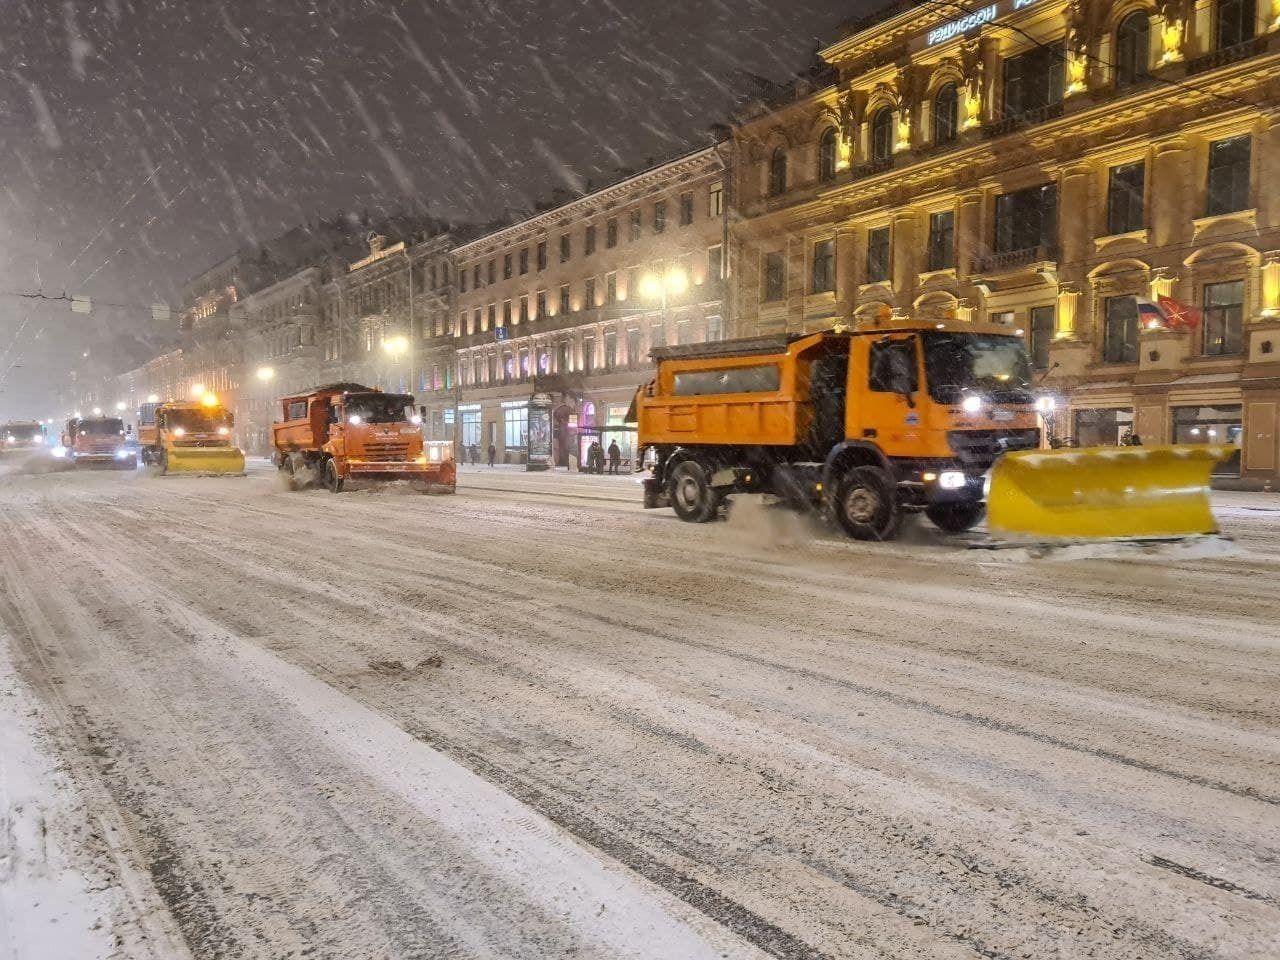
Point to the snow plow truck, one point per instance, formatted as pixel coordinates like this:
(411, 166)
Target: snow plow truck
(189, 437)
(24, 436)
(98, 442)
(349, 433)
(871, 425)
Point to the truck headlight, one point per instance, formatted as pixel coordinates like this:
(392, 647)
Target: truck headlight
(10, 439)
(951, 480)
(179, 432)
(1046, 404)
(224, 432)
(122, 454)
(971, 404)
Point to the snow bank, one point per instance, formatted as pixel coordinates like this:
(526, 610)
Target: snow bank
(48, 907)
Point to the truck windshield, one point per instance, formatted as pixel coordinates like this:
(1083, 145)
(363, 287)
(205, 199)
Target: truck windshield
(197, 421)
(380, 407)
(995, 366)
(102, 428)
(23, 431)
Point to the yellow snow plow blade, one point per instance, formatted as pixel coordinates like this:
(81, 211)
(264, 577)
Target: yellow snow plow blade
(204, 460)
(1104, 492)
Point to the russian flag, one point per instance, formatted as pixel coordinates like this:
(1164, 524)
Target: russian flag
(1150, 316)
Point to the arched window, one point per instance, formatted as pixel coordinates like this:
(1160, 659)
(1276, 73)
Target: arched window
(778, 172)
(882, 135)
(1133, 49)
(827, 155)
(946, 119)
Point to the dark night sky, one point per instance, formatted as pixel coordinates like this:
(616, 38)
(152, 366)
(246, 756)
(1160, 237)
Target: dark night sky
(142, 140)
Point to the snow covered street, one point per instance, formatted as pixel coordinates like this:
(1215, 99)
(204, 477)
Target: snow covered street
(535, 721)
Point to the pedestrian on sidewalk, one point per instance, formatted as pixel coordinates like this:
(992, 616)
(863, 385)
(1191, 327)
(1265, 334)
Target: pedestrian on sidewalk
(615, 457)
(493, 454)
(475, 454)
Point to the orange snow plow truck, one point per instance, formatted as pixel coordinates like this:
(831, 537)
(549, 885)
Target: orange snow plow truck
(878, 423)
(347, 432)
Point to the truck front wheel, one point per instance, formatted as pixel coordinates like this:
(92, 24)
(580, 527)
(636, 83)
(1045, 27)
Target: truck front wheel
(866, 504)
(331, 478)
(954, 517)
(692, 496)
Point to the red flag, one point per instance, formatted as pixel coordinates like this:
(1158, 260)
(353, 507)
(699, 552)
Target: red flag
(1178, 315)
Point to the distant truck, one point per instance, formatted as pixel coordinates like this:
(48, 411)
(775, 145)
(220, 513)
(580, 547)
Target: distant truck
(98, 442)
(348, 432)
(867, 425)
(189, 436)
(21, 435)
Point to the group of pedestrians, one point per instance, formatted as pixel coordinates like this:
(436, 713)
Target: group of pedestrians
(596, 457)
(474, 450)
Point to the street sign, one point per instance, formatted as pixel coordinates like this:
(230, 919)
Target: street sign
(499, 333)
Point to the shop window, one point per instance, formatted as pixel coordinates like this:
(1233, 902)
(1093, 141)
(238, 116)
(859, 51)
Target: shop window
(1223, 318)
(1125, 188)
(1120, 330)
(946, 114)
(1133, 49)
(1211, 424)
(1103, 428)
(827, 156)
(1042, 319)
(515, 422)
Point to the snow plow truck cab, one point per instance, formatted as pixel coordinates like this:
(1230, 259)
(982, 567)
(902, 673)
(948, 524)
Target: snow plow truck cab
(884, 421)
(189, 437)
(98, 442)
(21, 436)
(347, 432)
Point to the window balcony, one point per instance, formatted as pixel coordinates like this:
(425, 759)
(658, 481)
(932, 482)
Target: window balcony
(1227, 55)
(1012, 260)
(1050, 111)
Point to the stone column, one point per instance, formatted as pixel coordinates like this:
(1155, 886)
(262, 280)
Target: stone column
(968, 232)
(905, 255)
(846, 270)
(1173, 191)
(1075, 214)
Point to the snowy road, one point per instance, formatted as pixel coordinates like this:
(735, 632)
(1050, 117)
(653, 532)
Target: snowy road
(535, 721)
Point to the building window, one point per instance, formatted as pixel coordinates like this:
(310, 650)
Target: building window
(633, 347)
(686, 209)
(942, 240)
(715, 202)
(657, 335)
(1229, 175)
(562, 356)
(1224, 318)
(1133, 49)
(493, 316)
(775, 282)
(611, 287)
(684, 332)
(506, 313)
(566, 248)
(1236, 20)
(823, 277)
(1125, 188)
(1027, 218)
(878, 255)
(1034, 79)
(588, 354)
(589, 246)
(515, 422)
(882, 135)
(715, 329)
(564, 299)
(524, 261)
(1104, 427)
(637, 224)
(475, 275)
(715, 262)
(524, 309)
(462, 282)
(506, 267)
(542, 255)
(540, 305)
(778, 173)
(827, 156)
(589, 294)
(1042, 319)
(478, 320)
(611, 233)
(659, 216)
(946, 114)
(1120, 330)
(610, 351)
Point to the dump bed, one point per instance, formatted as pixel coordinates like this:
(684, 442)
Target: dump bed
(733, 392)
(304, 424)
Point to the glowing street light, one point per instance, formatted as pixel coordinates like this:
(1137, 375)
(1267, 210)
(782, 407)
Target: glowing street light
(97, 411)
(153, 398)
(673, 283)
(198, 390)
(266, 374)
(120, 406)
(396, 346)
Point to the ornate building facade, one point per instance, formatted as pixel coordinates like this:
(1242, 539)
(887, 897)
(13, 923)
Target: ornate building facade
(567, 304)
(1043, 164)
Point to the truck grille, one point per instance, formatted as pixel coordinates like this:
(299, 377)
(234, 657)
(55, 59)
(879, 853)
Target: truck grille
(386, 451)
(979, 448)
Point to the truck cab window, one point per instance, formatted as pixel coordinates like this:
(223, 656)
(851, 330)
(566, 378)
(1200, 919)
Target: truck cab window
(893, 367)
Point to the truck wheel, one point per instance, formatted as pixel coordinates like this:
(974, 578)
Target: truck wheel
(866, 504)
(692, 496)
(955, 517)
(331, 478)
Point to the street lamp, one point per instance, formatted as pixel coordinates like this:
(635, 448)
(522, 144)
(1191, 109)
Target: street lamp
(153, 398)
(97, 411)
(198, 390)
(120, 406)
(266, 374)
(673, 283)
(395, 348)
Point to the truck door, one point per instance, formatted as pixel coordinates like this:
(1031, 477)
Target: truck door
(884, 385)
